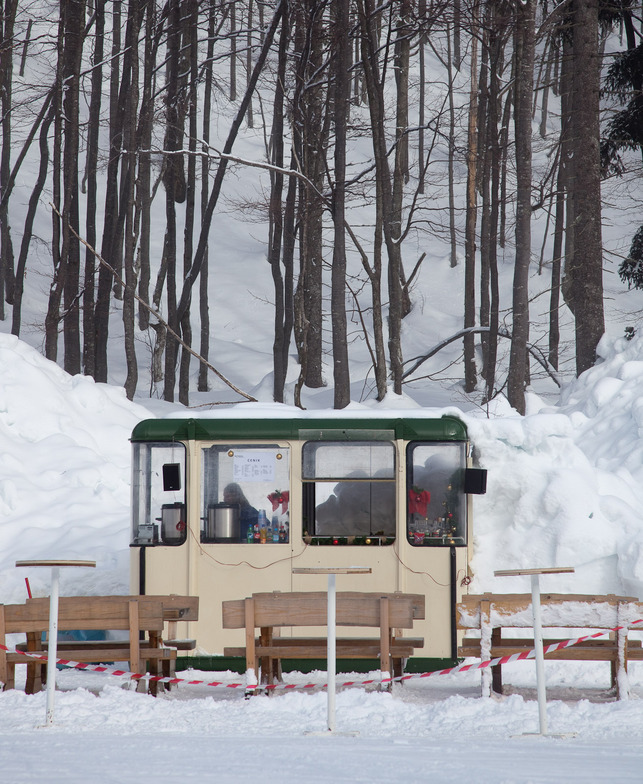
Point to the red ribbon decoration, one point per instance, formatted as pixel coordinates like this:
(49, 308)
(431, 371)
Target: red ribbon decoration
(277, 498)
(418, 500)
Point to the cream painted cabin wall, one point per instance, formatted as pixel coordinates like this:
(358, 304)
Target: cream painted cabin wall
(218, 572)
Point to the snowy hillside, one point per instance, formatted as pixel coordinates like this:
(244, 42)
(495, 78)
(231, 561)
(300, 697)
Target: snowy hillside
(565, 483)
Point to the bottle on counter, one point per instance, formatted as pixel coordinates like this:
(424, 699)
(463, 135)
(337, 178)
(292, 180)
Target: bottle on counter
(263, 526)
(275, 529)
(250, 535)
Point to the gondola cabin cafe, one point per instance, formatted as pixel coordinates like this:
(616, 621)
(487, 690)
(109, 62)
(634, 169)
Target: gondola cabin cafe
(227, 506)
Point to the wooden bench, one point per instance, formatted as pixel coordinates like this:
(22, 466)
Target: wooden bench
(271, 612)
(490, 613)
(142, 617)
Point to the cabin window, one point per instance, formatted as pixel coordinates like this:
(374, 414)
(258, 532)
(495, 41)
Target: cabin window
(245, 494)
(349, 492)
(435, 498)
(158, 494)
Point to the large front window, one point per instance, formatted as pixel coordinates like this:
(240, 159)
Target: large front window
(245, 494)
(349, 492)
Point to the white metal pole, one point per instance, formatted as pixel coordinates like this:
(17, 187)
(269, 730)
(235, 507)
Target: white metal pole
(540, 656)
(331, 651)
(53, 643)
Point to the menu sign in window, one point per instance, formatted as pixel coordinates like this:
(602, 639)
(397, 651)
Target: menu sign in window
(253, 466)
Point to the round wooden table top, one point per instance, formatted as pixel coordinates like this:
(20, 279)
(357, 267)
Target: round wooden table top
(543, 570)
(55, 562)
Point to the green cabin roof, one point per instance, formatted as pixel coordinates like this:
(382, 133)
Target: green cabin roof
(444, 428)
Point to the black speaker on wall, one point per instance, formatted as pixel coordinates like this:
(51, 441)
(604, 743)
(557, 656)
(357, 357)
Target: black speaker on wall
(475, 481)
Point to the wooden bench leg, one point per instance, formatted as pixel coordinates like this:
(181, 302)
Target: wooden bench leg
(251, 660)
(485, 646)
(168, 670)
(620, 678)
(154, 668)
(385, 642)
(496, 670)
(266, 662)
(36, 672)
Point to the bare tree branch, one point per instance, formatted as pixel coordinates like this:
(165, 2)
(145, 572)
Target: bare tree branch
(158, 316)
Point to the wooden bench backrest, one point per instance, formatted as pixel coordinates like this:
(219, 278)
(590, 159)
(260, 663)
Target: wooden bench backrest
(83, 612)
(507, 605)
(175, 606)
(310, 609)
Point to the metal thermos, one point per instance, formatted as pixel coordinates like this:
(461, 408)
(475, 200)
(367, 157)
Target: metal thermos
(222, 524)
(173, 523)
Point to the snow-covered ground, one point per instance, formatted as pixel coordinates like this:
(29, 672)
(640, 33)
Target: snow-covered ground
(565, 488)
(422, 732)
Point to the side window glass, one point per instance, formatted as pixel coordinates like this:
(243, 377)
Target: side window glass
(159, 513)
(349, 492)
(436, 503)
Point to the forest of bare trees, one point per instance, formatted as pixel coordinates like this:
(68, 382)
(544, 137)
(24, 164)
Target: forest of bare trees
(129, 113)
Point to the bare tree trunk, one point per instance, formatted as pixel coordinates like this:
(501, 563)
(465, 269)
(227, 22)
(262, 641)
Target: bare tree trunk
(497, 27)
(470, 229)
(8, 10)
(554, 298)
(457, 21)
(174, 182)
(52, 317)
(190, 57)
(91, 165)
(130, 143)
(204, 312)
(310, 140)
(341, 374)
(109, 246)
(586, 268)
(144, 179)
(524, 54)
(493, 137)
(67, 250)
(422, 98)
(249, 115)
(402, 34)
(276, 217)
(233, 50)
(70, 252)
(452, 228)
(391, 225)
(484, 187)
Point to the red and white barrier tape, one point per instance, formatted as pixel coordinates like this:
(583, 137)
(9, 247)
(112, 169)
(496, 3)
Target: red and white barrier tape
(530, 654)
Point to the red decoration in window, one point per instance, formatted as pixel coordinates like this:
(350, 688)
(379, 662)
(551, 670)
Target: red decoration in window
(418, 500)
(277, 498)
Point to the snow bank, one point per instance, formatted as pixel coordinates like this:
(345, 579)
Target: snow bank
(64, 473)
